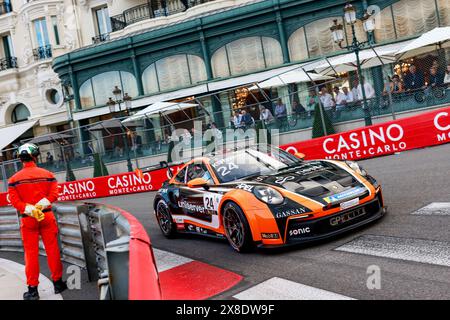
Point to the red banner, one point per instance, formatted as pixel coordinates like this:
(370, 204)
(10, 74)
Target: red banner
(424, 130)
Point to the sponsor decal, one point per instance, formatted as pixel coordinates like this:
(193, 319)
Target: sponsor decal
(343, 218)
(299, 231)
(290, 212)
(270, 236)
(312, 168)
(245, 187)
(191, 206)
(349, 204)
(353, 192)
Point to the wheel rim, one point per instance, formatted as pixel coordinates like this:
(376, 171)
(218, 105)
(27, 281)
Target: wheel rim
(234, 227)
(163, 217)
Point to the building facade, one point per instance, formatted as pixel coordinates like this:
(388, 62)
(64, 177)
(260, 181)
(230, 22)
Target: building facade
(175, 50)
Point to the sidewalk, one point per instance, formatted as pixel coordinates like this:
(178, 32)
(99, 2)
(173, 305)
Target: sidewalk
(13, 282)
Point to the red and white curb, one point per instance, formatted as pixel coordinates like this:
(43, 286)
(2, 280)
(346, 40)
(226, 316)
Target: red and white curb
(182, 278)
(282, 289)
(13, 282)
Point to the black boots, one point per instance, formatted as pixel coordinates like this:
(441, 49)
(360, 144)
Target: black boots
(59, 286)
(32, 294)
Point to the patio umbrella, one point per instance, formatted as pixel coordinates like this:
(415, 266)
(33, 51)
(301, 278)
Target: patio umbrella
(159, 108)
(368, 58)
(112, 124)
(429, 41)
(51, 138)
(294, 76)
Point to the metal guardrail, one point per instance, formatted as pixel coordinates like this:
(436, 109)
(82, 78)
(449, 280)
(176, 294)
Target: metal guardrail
(93, 237)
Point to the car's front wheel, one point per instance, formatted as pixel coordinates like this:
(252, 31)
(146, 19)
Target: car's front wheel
(237, 229)
(165, 220)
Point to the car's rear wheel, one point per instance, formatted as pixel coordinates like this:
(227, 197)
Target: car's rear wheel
(237, 229)
(165, 219)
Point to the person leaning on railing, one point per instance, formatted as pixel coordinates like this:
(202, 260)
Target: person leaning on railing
(447, 76)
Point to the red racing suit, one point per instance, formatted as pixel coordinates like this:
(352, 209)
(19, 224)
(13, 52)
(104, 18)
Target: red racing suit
(29, 186)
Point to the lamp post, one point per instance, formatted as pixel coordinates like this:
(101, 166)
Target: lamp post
(118, 100)
(337, 32)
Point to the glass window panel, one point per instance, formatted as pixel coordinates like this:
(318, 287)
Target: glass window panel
(319, 37)
(173, 72)
(55, 30)
(103, 85)
(103, 20)
(86, 95)
(361, 35)
(246, 55)
(384, 30)
(272, 52)
(40, 27)
(149, 80)
(20, 113)
(129, 84)
(414, 17)
(298, 50)
(444, 12)
(197, 68)
(220, 64)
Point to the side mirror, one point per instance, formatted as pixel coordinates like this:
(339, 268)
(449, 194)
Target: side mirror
(300, 155)
(197, 183)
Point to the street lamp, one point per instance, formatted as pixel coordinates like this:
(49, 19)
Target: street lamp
(118, 100)
(337, 32)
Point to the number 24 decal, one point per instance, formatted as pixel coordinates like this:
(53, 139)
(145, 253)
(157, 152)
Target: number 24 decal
(226, 169)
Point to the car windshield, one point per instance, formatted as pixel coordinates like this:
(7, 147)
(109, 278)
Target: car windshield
(236, 165)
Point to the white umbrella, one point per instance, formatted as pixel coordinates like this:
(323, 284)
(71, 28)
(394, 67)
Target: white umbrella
(368, 58)
(158, 108)
(426, 42)
(294, 76)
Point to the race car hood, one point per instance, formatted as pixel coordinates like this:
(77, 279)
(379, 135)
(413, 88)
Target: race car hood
(321, 181)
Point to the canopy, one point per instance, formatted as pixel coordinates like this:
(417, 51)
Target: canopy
(111, 124)
(158, 108)
(368, 58)
(12, 133)
(50, 138)
(293, 76)
(429, 41)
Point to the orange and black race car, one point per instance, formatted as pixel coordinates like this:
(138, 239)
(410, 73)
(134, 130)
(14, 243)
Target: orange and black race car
(267, 198)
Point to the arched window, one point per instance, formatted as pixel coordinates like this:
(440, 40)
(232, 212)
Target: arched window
(315, 39)
(173, 72)
(20, 113)
(97, 90)
(407, 18)
(246, 55)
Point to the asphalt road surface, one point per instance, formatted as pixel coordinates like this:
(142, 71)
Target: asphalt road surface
(410, 249)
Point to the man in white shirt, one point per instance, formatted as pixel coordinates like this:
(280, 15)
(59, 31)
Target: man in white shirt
(355, 90)
(368, 89)
(348, 95)
(326, 99)
(341, 99)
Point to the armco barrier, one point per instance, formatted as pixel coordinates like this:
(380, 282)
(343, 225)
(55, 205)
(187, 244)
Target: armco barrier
(423, 130)
(107, 241)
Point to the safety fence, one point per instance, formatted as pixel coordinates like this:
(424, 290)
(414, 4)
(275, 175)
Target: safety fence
(108, 242)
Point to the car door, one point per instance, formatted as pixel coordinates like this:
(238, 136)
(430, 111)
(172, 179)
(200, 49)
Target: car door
(198, 203)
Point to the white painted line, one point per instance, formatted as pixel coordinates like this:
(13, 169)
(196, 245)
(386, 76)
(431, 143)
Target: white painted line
(282, 289)
(13, 283)
(167, 260)
(409, 249)
(435, 208)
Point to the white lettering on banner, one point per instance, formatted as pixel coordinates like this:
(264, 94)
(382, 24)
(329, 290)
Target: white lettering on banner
(77, 190)
(438, 124)
(129, 181)
(366, 142)
(293, 149)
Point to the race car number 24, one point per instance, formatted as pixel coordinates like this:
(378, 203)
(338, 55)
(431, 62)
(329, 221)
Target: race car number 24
(211, 201)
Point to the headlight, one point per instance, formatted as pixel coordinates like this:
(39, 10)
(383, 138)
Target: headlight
(268, 195)
(357, 168)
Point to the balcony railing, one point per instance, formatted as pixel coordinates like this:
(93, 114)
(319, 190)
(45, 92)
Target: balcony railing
(5, 7)
(42, 53)
(152, 10)
(100, 38)
(8, 63)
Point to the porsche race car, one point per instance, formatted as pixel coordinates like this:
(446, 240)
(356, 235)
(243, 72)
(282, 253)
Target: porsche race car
(267, 198)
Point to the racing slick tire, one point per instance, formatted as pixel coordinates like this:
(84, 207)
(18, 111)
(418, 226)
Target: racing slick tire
(165, 220)
(237, 229)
